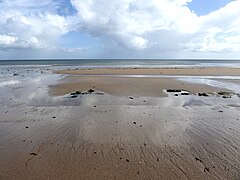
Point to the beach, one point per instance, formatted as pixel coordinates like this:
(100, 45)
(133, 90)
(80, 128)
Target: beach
(120, 123)
(196, 71)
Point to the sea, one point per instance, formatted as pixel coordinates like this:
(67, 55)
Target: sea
(98, 63)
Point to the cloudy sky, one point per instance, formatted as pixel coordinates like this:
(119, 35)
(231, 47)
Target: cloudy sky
(119, 29)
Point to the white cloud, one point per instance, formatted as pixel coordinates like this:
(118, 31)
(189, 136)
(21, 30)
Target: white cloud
(7, 40)
(139, 24)
(32, 24)
(129, 27)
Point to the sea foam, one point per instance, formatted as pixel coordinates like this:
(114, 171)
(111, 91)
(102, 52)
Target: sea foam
(10, 82)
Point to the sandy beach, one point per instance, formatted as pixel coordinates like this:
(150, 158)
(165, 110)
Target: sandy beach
(146, 87)
(209, 71)
(124, 128)
(107, 80)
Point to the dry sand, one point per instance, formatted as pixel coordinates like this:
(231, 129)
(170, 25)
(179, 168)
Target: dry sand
(147, 87)
(155, 71)
(136, 86)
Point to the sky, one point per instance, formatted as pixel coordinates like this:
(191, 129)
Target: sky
(42, 29)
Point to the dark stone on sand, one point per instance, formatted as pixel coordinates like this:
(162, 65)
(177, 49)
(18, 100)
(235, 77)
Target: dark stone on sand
(197, 159)
(33, 154)
(206, 169)
(53, 117)
(77, 92)
(225, 97)
(174, 90)
(157, 159)
(223, 93)
(74, 96)
(134, 123)
(131, 97)
(127, 160)
(202, 94)
(94, 106)
(15, 74)
(90, 90)
(26, 126)
(175, 94)
(184, 94)
(220, 111)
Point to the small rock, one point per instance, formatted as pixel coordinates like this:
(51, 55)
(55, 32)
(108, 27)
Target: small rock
(15, 74)
(206, 169)
(26, 126)
(174, 90)
(131, 97)
(223, 93)
(175, 94)
(184, 94)
(127, 160)
(77, 92)
(90, 90)
(202, 94)
(33, 154)
(53, 117)
(197, 159)
(134, 123)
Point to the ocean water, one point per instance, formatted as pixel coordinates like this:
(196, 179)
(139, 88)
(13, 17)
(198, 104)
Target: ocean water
(148, 63)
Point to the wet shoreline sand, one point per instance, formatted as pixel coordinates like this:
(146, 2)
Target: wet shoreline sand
(103, 135)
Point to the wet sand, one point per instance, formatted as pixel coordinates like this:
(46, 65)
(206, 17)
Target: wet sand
(104, 136)
(107, 137)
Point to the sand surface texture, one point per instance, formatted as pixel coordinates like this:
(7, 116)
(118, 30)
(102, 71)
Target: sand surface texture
(155, 71)
(103, 136)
